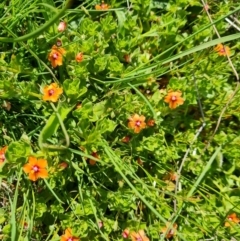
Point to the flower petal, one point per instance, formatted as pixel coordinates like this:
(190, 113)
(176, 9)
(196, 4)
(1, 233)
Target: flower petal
(64, 238)
(227, 224)
(32, 176)
(68, 232)
(32, 160)
(180, 101)
(142, 118)
(177, 93)
(137, 129)
(167, 99)
(41, 163)
(27, 168)
(131, 124)
(42, 173)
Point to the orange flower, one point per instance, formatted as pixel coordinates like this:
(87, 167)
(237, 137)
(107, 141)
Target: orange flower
(150, 122)
(25, 225)
(79, 57)
(35, 168)
(59, 42)
(137, 123)
(56, 56)
(93, 162)
(174, 99)
(63, 165)
(68, 236)
(127, 58)
(171, 232)
(172, 176)
(232, 218)
(125, 233)
(206, 7)
(52, 92)
(139, 236)
(222, 50)
(126, 139)
(103, 6)
(100, 224)
(2, 155)
(62, 26)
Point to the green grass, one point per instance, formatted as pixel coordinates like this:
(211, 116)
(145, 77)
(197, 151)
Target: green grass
(103, 176)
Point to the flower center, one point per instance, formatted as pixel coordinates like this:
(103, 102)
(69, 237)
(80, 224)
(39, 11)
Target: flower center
(51, 92)
(174, 98)
(35, 168)
(139, 239)
(138, 123)
(222, 50)
(70, 239)
(59, 43)
(104, 6)
(55, 55)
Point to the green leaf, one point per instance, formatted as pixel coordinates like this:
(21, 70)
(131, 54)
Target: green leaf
(99, 110)
(53, 124)
(121, 18)
(74, 88)
(40, 209)
(18, 151)
(84, 209)
(6, 229)
(106, 125)
(85, 111)
(87, 46)
(2, 220)
(100, 63)
(115, 66)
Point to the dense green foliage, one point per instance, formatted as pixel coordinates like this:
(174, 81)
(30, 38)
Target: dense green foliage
(181, 166)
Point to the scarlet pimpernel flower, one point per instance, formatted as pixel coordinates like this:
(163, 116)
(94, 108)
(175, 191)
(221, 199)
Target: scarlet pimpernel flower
(222, 50)
(174, 99)
(171, 176)
(151, 123)
(63, 165)
(127, 58)
(171, 232)
(62, 26)
(232, 219)
(56, 56)
(79, 57)
(25, 225)
(100, 224)
(139, 236)
(102, 6)
(52, 92)
(67, 236)
(2, 154)
(93, 162)
(125, 233)
(206, 7)
(59, 42)
(126, 139)
(36, 168)
(137, 123)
